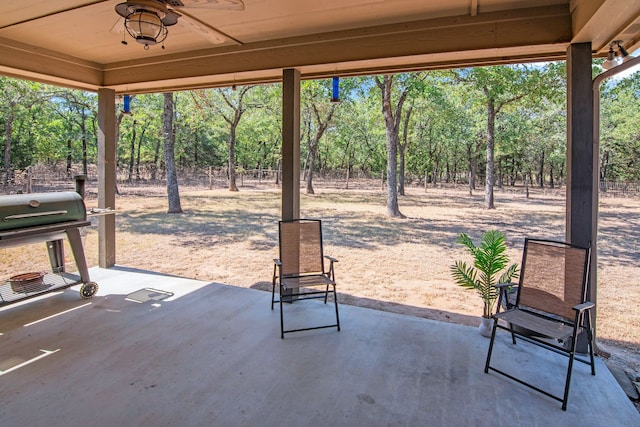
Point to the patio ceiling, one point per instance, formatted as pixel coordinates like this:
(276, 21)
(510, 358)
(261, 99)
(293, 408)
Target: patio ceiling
(77, 43)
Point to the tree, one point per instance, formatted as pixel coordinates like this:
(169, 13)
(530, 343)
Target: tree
(238, 108)
(319, 112)
(78, 109)
(231, 110)
(619, 132)
(499, 86)
(169, 155)
(392, 116)
(260, 136)
(17, 96)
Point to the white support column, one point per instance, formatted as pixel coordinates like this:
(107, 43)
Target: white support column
(107, 176)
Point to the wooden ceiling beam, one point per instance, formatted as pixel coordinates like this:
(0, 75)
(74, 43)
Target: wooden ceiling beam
(547, 26)
(38, 64)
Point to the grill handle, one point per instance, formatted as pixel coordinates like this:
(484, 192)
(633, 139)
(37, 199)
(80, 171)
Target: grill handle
(33, 215)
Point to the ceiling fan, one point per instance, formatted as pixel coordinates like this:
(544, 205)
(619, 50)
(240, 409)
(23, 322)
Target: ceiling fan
(146, 21)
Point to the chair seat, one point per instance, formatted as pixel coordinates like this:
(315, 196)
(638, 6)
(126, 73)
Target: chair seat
(307, 280)
(546, 327)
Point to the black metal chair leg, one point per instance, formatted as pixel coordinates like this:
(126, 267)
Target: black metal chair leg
(335, 300)
(281, 317)
(493, 336)
(568, 382)
(273, 295)
(590, 338)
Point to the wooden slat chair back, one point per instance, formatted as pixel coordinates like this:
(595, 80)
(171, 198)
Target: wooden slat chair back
(301, 268)
(550, 309)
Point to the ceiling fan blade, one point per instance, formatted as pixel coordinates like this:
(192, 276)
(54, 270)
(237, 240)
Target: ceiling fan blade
(207, 4)
(118, 27)
(207, 31)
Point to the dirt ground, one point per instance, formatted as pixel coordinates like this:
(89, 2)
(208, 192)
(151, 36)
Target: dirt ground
(398, 265)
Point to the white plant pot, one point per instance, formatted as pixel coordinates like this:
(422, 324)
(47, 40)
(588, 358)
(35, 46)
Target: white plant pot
(485, 327)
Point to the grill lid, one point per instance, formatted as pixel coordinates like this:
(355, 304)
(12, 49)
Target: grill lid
(34, 209)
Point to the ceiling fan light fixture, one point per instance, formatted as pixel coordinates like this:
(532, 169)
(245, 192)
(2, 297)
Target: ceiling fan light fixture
(611, 61)
(624, 54)
(616, 58)
(146, 27)
(146, 21)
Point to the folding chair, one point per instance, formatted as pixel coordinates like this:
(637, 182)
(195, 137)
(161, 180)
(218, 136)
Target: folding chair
(550, 309)
(301, 269)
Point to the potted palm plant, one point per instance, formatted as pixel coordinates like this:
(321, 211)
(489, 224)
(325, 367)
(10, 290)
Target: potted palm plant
(489, 260)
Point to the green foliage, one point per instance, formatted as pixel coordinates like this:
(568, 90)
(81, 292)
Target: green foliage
(446, 136)
(619, 132)
(489, 259)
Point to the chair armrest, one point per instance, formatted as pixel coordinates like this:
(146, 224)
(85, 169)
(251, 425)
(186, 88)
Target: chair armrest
(503, 288)
(504, 285)
(331, 272)
(277, 262)
(587, 305)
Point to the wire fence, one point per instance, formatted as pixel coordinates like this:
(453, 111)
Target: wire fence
(43, 178)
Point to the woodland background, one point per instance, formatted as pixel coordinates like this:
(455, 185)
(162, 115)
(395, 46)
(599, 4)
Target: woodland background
(482, 127)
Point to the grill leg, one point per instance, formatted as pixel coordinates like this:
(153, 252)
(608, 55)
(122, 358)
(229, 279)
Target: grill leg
(78, 253)
(55, 248)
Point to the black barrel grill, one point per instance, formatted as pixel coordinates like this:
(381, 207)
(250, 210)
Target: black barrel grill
(45, 217)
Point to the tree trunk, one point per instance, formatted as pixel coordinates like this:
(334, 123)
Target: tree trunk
(169, 155)
(138, 153)
(472, 171)
(313, 151)
(541, 172)
(132, 152)
(401, 162)
(232, 156)
(403, 147)
(489, 179)
(83, 126)
(156, 159)
(391, 125)
(8, 135)
(314, 143)
(69, 158)
(392, 168)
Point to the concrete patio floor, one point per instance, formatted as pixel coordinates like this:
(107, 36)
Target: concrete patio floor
(211, 355)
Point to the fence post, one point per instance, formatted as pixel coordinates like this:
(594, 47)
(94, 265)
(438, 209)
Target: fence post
(29, 179)
(80, 184)
(210, 178)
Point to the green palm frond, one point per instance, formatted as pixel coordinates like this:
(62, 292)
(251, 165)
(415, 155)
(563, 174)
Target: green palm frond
(489, 259)
(464, 275)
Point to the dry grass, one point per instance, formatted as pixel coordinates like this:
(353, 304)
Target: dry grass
(399, 265)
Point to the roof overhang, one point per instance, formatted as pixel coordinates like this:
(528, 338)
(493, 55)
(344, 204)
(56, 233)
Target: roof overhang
(510, 35)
